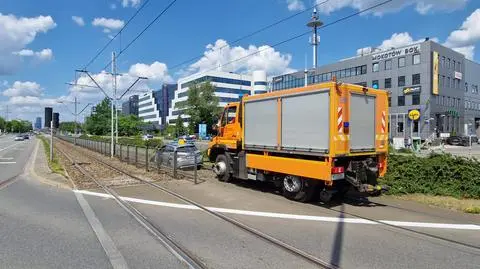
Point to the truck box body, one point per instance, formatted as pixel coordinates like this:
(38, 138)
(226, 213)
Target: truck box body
(305, 128)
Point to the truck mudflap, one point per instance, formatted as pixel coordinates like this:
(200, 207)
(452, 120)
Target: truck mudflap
(363, 176)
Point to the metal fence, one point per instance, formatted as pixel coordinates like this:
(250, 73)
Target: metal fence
(141, 157)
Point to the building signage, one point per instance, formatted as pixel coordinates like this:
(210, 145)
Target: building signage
(458, 75)
(412, 90)
(414, 114)
(396, 53)
(202, 130)
(435, 73)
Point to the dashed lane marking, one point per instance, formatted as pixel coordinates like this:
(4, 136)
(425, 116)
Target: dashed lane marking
(9, 146)
(293, 216)
(7, 162)
(6, 158)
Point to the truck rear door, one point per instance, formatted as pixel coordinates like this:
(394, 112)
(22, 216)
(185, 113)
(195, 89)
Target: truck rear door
(362, 122)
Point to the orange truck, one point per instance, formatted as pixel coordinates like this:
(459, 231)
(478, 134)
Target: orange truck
(317, 140)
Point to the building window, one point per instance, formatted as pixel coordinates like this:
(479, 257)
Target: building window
(401, 61)
(375, 84)
(388, 64)
(415, 79)
(416, 99)
(388, 83)
(415, 126)
(459, 67)
(401, 101)
(448, 82)
(443, 82)
(400, 127)
(364, 69)
(389, 101)
(416, 59)
(375, 67)
(448, 63)
(442, 63)
(401, 81)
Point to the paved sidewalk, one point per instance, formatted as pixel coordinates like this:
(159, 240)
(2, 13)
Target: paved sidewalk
(42, 172)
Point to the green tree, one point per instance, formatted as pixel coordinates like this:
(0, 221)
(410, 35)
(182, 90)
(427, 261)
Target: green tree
(179, 128)
(19, 126)
(129, 125)
(99, 122)
(69, 126)
(201, 105)
(3, 124)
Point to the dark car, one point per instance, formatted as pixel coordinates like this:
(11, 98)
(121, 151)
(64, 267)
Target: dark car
(461, 140)
(186, 154)
(25, 136)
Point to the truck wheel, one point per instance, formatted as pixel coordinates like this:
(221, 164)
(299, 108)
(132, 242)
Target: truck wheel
(298, 189)
(222, 168)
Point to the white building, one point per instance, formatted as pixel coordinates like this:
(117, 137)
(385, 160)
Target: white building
(229, 87)
(148, 110)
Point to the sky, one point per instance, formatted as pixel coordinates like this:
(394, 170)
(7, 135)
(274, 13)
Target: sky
(42, 43)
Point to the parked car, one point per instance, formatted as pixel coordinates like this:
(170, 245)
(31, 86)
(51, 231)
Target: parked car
(147, 137)
(185, 156)
(461, 140)
(26, 136)
(19, 138)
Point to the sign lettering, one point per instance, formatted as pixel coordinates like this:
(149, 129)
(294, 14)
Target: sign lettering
(396, 53)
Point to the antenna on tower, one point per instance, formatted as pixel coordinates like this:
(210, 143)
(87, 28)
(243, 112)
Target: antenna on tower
(314, 23)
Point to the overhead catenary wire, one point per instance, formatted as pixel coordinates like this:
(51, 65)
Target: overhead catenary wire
(143, 31)
(298, 36)
(117, 34)
(251, 34)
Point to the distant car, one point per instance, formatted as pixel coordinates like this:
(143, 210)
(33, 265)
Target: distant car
(147, 137)
(25, 136)
(19, 138)
(185, 156)
(461, 140)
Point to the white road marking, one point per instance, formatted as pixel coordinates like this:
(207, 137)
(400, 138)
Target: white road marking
(7, 162)
(6, 158)
(293, 216)
(9, 146)
(114, 255)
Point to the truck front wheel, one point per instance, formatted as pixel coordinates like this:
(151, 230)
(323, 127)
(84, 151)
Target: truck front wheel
(222, 168)
(298, 189)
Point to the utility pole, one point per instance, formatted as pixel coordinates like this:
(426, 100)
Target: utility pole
(112, 107)
(75, 127)
(114, 67)
(314, 23)
(51, 138)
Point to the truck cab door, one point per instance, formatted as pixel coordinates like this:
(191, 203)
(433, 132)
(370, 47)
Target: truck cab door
(229, 129)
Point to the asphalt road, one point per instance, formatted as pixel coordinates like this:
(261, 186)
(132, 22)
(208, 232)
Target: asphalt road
(45, 227)
(48, 227)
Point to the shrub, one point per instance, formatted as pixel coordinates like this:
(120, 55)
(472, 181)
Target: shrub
(437, 174)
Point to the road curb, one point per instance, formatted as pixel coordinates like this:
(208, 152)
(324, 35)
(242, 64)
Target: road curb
(32, 167)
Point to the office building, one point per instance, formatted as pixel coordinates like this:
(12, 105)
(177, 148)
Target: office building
(229, 87)
(48, 116)
(153, 107)
(38, 123)
(433, 79)
(130, 107)
(56, 120)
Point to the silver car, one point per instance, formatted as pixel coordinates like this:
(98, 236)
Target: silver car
(185, 156)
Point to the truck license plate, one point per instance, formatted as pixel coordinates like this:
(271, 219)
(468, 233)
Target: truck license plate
(338, 176)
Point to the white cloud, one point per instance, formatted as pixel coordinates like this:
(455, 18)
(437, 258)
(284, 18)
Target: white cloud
(32, 101)
(155, 72)
(395, 41)
(468, 51)
(78, 20)
(108, 24)
(421, 6)
(219, 55)
(131, 3)
(45, 54)
(294, 5)
(463, 40)
(15, 34)
(26, 88)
